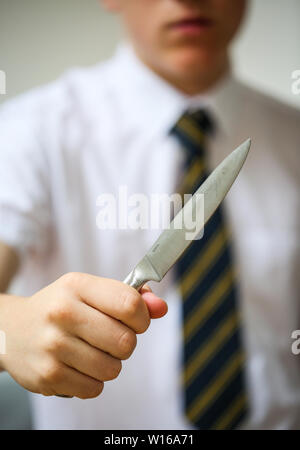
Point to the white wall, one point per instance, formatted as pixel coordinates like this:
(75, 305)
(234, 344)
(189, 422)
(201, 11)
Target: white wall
(39, 39)
(268, 50)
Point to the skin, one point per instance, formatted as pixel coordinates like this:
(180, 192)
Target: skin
(71, 337)
(193, 64)
(9, 264)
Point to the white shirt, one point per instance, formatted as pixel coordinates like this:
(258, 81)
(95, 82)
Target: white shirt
(63, 145)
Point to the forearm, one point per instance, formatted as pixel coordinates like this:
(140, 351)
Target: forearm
(4, 298)
(9, 263)
(8, 267)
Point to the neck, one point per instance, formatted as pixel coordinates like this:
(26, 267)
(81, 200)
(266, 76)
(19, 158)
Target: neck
(193, 81)
(201, 82)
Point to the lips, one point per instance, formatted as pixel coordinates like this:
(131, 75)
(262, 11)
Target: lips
(191, 25)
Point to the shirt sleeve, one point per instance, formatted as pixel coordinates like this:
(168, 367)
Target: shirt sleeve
(24, 191)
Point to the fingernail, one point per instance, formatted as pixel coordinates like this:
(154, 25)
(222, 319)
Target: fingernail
(147, 288)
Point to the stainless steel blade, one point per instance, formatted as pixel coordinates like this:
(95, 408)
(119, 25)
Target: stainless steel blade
(172, 242)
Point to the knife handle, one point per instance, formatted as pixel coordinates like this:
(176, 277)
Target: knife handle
(142, 273)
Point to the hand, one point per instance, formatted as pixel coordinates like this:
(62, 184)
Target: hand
(69, 338)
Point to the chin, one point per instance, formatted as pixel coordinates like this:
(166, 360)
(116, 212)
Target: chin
(193, 61)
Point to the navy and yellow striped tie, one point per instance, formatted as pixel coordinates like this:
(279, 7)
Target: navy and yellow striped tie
(213, 375)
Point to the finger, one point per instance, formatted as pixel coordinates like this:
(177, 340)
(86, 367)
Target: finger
(89, 360)
(156, 306)
(111, 297)
(63, 380)
(102, 331)
(145, 288)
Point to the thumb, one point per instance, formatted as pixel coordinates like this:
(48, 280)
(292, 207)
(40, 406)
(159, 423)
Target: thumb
(157, 307)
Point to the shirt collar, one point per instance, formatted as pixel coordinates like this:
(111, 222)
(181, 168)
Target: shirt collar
(159, 105)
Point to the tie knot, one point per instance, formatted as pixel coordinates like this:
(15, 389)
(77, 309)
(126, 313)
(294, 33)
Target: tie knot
(192, 129)
(202, 119)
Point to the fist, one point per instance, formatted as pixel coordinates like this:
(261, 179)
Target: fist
(71, 337)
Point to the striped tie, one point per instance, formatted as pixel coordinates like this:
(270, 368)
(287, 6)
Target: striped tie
(213, 374)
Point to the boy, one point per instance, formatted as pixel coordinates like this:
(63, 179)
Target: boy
(95, 130)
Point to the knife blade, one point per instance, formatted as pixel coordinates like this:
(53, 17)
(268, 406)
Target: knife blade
(172, 242)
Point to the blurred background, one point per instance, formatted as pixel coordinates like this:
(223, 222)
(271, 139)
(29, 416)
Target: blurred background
(39, 39)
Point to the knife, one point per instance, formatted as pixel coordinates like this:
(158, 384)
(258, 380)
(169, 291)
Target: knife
(172, 242)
